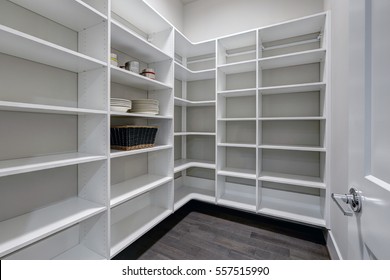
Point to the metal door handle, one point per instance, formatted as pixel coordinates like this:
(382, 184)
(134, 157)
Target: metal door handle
(349, 203)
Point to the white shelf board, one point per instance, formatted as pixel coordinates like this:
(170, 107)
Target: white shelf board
(235, 119)
(304, 212)
(128, 78)
(293, 88)
(138, 115)
(186, 193)
(126, 41)
(46, 109)
(185, 48)
(238, 172)
(238, 92)
(129, 189)
(238, 40)
(292, 118)
(293, 28)
(238, 67)
(184, 74)
(19, 44)
(26, 229)
(183, 164)
(306, 57)
(188, 103)
(237, 145)
(194, 134)
(79, 252)
(239, 202)
(119, 153)
(74, 14)
(290, 179)
(30, 164)
(126, 231)
(293, 148)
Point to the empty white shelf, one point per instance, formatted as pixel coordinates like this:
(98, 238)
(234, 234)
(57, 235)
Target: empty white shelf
(79, 252)
(23, 230)
(183, 164)
(240, 202)
(238, 92)
(306, 57)
(237, 145)
(24, 165)
(292, 118)
(128, 78)
(194, 134)
(49, 109)
(293, 148)
(238, 67)
(138, 115)
(129, 189)
(126, 231)
(238, 172)
(188, 103)
(185, 48)
(186, 193)
(290, 179)
(119, 153)
(236, 119)
(25, 46)
(184, 74)
(74, 14)
(293, 88)
(127, 41)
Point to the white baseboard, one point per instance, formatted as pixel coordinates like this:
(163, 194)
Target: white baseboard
(331, 244)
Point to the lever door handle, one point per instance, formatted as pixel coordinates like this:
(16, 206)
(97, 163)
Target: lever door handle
(349, 203)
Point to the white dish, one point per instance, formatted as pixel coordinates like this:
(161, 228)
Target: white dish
(119, 108)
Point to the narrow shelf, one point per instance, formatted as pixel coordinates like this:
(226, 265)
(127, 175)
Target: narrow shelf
(127, 78)
(129, 189)
(292, 118)
(293, 88)
(188, 103)
(79, 252)
(186, 193)
(28, 228)
(306, 57)
(235, 119)
(290, 179)
(126, 41)
(46, 109)
(293, 148)
(240, 202)
(238, 172)
(24, 165)
(238, 67)
(19, 44)
(238, 92)
(137, 115)
(76, 14)
(184, 74)
(183, 164)
(194, 134)
(119, 153)
(237, 145)
(126, 231)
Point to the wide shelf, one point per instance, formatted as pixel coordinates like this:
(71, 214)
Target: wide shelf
(309, 87)
(120, 153)
(126, 231)
(188, 103)
(293, 148)
(194, 133)
(185, 48)
(139, 115)
(28, 228)
(126, 41)
(30, 164)
(235, 119)
(237, 145)
(245, 201)
(184, 74)
(291, 179)
(182, 164)
(238, 173)
(79, 252)
(128, 78)
(314, 118)
(19, 44)
(185, 193)
(74, 14)
(129, 189)
(47, 109)
(299, 58)
(238, 92)
(238, 67)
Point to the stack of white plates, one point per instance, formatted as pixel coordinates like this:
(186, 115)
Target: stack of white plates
(120, 105)
(145, 106)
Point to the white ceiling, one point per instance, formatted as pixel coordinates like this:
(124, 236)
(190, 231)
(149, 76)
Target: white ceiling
(187, 1)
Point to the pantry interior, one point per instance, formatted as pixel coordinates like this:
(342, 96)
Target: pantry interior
(244, 120)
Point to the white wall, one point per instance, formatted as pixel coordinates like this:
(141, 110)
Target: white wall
(171, 10)
(339, 82)
(208, 19)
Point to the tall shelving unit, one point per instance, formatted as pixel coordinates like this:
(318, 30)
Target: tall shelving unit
(243, 122)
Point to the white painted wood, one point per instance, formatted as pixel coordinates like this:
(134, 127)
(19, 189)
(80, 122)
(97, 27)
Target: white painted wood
(290, 179)
(236, 119)
(26, 229)
(194, 134)
(292, 118)
(118, 153)
(185, 48)
(190, 188)
(183, 164)
(79, 252)
(142, 116)
(238, 92)
(238, 196)
(293, 148)
(309, 87)
(238, 145)
(189, 103)
(237, 172)
(184, 74)
(22, 45)
(238, 67)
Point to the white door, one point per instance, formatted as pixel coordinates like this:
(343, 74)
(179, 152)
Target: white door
(369, 154)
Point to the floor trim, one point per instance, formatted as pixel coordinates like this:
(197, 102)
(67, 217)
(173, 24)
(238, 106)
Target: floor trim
(332, 246)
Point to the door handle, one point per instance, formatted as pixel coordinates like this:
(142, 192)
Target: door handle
(349, 203)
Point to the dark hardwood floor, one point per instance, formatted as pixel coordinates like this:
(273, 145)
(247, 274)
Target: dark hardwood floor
(201, 231)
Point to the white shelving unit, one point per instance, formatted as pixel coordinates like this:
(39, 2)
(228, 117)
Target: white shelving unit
(243, 122)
